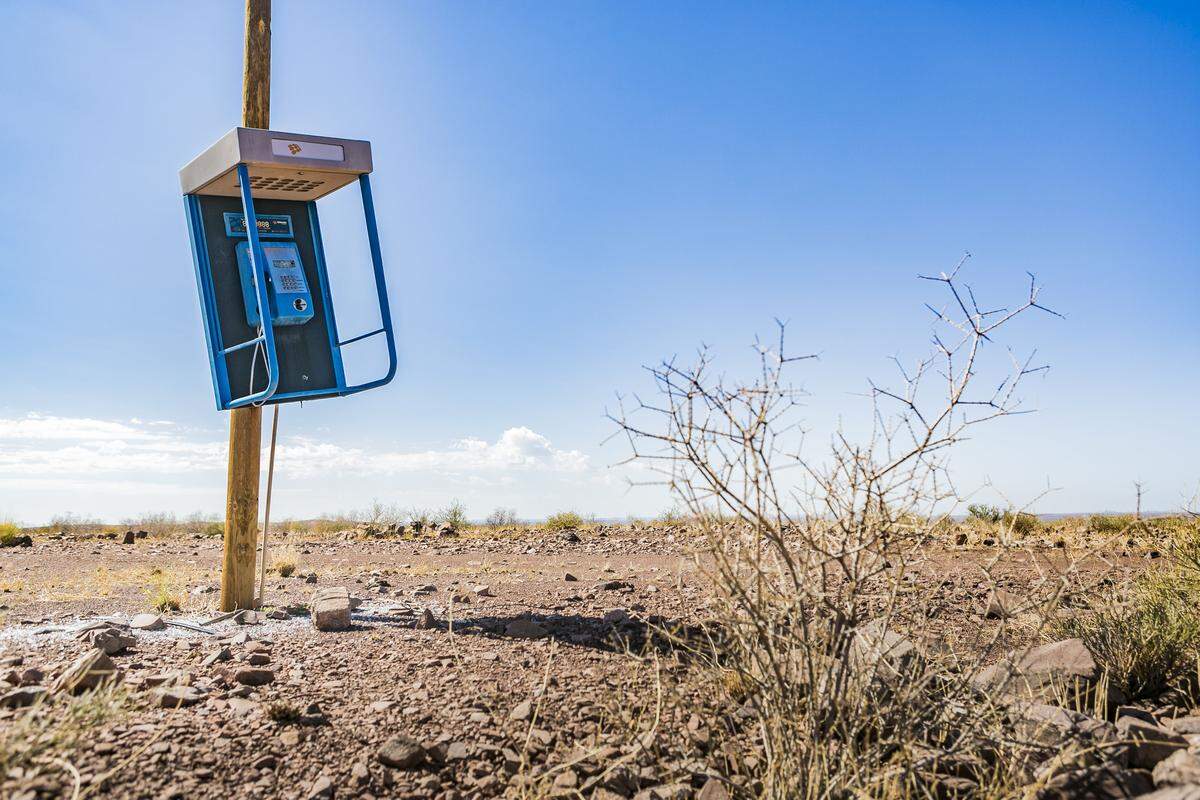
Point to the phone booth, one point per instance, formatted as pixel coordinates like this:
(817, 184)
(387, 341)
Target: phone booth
(260, 266)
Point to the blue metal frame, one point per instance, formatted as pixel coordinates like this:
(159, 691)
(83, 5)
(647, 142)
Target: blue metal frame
(218, 352)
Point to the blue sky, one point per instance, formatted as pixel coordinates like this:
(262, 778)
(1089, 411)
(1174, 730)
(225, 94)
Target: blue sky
(568, 191)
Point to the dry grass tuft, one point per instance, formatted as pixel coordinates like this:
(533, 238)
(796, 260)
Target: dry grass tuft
(44, 737)
(9, 533)
(164, 594)
(285, 560)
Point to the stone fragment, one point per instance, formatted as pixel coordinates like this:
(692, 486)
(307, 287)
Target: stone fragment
(713, 789)
(1151, 743)
(1047, 672)
(1173, 793)
(321, 789)
(1000, 605)
(569, 578)
(402, 752)
(1184, 725)
(1181, 768)
(147, 622)
(877, 647)
(128, 537)
(177, 696)
(24, 696)
(223, 654)
(254, 676)
(331, 609)
(267, 761)
(110, 639)
(521, 711)
(87, 672)
(240, 706)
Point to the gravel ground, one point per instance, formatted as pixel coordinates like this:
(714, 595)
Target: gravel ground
(475, 667)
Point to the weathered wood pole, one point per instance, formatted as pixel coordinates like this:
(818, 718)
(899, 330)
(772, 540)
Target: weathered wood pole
(245, 424)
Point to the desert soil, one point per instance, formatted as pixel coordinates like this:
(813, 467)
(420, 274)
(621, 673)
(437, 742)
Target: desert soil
(435, 692)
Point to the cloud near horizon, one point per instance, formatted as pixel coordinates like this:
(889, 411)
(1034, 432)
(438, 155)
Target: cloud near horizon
(42, 450)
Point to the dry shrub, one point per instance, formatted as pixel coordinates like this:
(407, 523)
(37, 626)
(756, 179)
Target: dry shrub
(564, 520)
(1147, 638)
(817, 567)
(502, 518)
(9, 533)
(285, 560)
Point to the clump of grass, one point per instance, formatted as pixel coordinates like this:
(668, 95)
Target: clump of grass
(1148, 640)
(1020, 523)
(673, 517)
(163, 596)
(9, 533)
(35, 736)
(282, 712)
(285, 560)
(985, 513)
(1110, 523)
(564, 520)
(453, 516)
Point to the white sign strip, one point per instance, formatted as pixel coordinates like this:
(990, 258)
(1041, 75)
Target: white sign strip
(290, 148)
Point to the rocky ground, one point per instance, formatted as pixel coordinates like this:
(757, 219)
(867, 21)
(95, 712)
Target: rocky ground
(471, 666)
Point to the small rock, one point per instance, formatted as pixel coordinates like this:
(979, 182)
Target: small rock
(1151, 743)
(426, 622)
(109, 639)
(1184, 725)
(521, 711)
(1000, 605)
(1181, 768)
(267, 761)
(254, 676)
(217, 655)
(128, 537)
(177, 696)
(569, 578)
(86, 672)
(402, 752)
(483, 591)
(240, 706)
(331, 609)
(321, 789)
(24, 696)
(713, 789)
(147, 622)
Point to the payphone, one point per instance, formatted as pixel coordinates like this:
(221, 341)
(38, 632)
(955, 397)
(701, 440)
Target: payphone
(260, 264)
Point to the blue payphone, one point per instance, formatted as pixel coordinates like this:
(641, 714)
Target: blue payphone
(260, 264)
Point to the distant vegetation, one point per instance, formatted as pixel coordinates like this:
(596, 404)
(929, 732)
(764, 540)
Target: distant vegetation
(564, 520)
(9, 533)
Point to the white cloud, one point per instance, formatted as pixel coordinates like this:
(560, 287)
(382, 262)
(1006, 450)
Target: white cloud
(38, 447)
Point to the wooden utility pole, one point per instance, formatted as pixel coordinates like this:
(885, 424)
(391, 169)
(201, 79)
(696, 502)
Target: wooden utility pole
(245, 424)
